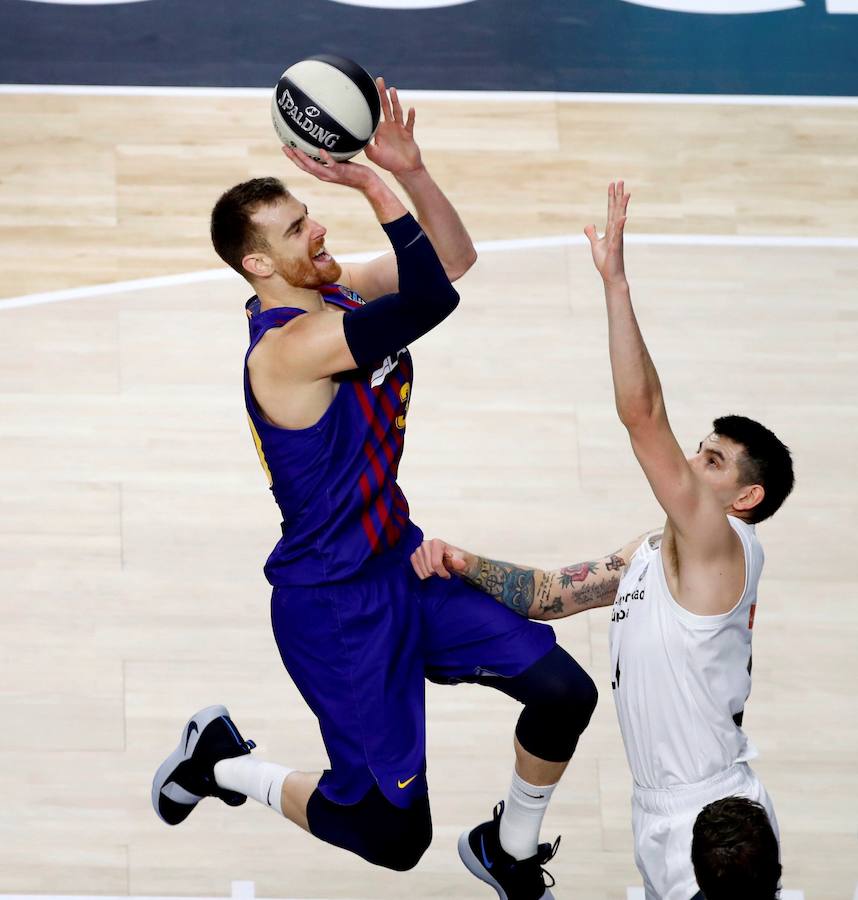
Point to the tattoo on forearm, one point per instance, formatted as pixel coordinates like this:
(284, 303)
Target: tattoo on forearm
(512, 586)
(553, 608)
(570, 574)
(597, 594)
(544, 593)
(515, 587)
(585, 596)
(547, 599)
(580, 593)
(615, 563)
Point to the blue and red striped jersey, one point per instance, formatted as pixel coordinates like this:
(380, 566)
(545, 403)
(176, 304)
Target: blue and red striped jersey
(335, 482)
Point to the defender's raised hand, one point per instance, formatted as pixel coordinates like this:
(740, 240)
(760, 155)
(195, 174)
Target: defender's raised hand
(393, 147)
(608, 249)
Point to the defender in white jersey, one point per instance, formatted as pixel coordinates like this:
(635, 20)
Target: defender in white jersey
(680, 682)
(683, 599)
(690, 730)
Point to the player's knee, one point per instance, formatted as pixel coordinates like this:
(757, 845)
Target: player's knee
(561, 698)
(564, 685)
(373, 828)
(575, 702)
(581, 698)
(409, 838)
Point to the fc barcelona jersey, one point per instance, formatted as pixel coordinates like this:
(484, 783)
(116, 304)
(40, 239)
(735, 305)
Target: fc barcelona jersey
(335, 482)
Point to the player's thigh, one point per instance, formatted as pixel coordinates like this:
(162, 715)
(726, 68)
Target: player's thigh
(467, 634)
(354, 652)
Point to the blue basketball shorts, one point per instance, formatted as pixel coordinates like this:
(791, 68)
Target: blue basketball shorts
(359, 651)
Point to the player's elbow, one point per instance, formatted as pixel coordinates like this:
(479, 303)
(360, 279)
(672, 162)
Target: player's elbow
(470, 259)
(455, 269)
(641, 414)
(635, 421)
(442, 304)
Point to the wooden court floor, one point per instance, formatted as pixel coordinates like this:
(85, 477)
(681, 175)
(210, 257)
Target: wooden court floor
(135, 517)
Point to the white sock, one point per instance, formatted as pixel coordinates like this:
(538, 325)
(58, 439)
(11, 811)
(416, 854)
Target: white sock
(258, 779)
(522, 817)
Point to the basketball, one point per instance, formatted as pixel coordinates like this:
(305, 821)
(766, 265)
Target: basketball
(326, 102)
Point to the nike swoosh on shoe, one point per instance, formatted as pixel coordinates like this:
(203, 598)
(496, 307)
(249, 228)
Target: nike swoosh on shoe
(486, 861)
(191, 729)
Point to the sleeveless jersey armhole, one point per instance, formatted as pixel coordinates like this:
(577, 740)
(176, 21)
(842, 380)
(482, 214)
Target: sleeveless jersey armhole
(254, 410)
(703, 622)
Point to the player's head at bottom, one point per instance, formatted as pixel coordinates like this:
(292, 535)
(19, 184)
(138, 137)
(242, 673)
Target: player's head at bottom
(735, 852)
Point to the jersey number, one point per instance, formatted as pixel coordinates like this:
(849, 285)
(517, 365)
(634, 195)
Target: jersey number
(405, 398)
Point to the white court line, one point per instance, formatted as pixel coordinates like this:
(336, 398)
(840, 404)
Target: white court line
(562, 240)
(637, 893)
(119, 90)
(241, 890)
(244, 890)
(142, 284)
(127, 897)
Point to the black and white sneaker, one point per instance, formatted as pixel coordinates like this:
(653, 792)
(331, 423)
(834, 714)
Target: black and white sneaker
(187, 774)
(513, 879)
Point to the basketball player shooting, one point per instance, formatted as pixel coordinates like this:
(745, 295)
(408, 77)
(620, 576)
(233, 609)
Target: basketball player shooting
(683, 598)
(327, 384)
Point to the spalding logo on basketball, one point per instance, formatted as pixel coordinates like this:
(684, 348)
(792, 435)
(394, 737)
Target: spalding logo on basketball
(326, 102)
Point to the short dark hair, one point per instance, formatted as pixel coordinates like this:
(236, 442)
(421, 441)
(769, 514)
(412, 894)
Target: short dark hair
(766, 461)
(234, 234)
(735, 852)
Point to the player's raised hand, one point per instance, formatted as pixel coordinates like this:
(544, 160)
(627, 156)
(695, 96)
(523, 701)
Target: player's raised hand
(608, 249)
(350, 174)
(437, 557)
(393, 147)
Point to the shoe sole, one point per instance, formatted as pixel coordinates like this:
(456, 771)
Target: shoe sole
(475, 866)
(203, 718)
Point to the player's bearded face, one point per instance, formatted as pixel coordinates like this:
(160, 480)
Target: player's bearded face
(296, 244)
(312, 267)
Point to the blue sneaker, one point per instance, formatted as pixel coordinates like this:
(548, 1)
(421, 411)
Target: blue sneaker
(187, 774)
(513, 879)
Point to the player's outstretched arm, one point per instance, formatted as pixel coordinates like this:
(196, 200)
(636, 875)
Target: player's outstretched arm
(535, 593)
(395, 150)
(320, 344)
(693, 509)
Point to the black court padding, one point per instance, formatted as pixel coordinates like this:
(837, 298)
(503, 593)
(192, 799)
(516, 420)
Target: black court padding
(496, 45)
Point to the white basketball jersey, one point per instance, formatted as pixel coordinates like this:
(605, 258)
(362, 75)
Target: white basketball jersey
(680, 680)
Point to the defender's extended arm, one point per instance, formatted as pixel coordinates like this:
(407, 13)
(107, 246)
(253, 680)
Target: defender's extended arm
(535, 593)
(692, 508)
